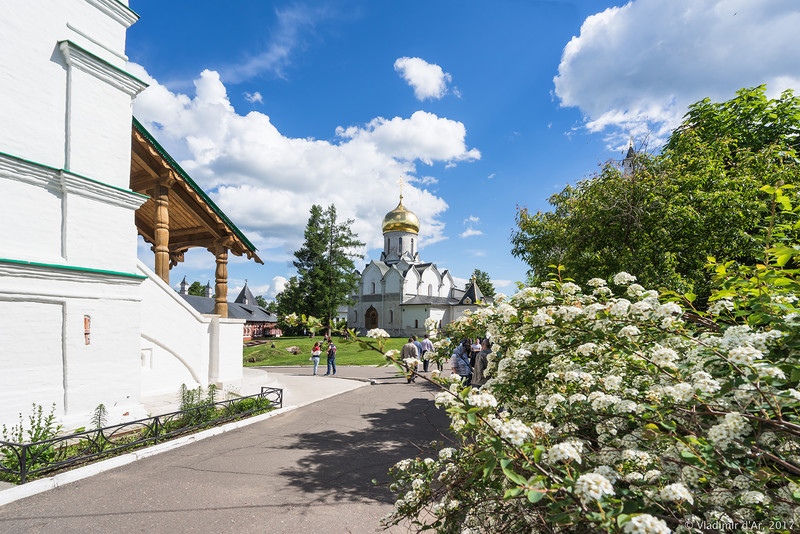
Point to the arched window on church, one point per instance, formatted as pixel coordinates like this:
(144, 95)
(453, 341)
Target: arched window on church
(373, 288)
(416, 323)
(412, 246)
(391, 316)
(430, 290)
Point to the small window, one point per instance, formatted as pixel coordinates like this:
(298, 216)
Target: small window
(373, 288)
(430, 290)
(416, 323)
(391, 316)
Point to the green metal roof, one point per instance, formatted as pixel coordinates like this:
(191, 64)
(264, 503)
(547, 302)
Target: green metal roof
(174, 164)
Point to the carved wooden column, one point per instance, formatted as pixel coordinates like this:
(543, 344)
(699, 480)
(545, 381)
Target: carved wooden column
(221, 301)
(161, 247)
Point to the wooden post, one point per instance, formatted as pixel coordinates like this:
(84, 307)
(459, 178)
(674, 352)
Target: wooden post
(221, 288)
(161, 236)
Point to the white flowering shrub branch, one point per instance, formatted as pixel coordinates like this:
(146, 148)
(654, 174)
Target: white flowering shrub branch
(607, 410)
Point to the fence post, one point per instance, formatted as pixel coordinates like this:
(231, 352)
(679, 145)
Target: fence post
(23, 464)
(155, 430)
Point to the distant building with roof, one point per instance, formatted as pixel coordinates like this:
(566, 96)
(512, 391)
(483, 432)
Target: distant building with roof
(258, 321)
(399, 292)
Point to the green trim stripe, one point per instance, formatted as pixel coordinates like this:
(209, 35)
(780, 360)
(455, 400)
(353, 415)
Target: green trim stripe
(72, 268)
(98, 182)
(174, 164)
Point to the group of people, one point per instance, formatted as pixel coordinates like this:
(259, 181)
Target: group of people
(469, 359)
(417, 349)
(330, 353)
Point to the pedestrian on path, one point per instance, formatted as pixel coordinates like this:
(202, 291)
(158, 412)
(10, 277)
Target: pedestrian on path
(407, 353)
(427, 346)
(331, 357)
(315, 353)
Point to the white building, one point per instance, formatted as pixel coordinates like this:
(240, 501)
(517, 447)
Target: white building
(399, 292)
(83, 322)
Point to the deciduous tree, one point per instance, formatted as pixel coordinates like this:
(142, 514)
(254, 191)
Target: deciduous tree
(699, 197)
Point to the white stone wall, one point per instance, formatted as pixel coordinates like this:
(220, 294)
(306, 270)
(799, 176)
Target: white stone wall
(68, 257)
(180, 345)
(33, 82)
(45, 357)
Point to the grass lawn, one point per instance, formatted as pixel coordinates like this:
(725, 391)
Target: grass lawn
(347, 353)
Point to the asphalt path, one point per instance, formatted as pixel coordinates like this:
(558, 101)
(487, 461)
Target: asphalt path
(306, 470)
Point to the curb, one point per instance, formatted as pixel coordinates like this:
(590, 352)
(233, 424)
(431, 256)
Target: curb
(45, 484)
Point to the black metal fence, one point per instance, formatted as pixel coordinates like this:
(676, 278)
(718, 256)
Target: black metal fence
(21, 461)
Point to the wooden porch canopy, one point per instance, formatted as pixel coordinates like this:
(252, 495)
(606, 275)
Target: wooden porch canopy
(179, 215)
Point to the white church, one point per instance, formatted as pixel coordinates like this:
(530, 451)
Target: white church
(84, 321)
(399, 292)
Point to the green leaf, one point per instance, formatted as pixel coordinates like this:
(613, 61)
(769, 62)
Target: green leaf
(535, 496)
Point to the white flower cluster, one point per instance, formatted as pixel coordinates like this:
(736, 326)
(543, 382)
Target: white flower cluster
(677, 493)
(623, 278)
(592, 487)
(378, 333)
(513, 430)
(646, 524)
(733, 427)
(482, 399)
(744, 355)
(564, 452)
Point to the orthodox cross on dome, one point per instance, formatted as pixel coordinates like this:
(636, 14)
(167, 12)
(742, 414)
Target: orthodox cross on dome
(400, 183)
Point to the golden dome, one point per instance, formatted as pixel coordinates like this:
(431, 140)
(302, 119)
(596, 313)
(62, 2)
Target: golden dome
(401, 220)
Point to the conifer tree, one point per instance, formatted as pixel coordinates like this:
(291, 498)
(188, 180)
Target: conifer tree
(326, 274)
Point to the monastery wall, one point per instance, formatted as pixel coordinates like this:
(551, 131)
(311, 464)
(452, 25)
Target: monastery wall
(182, 346)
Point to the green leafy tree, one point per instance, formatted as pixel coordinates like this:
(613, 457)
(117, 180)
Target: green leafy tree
(197, 289)
(290, 301)
(325, 266)
(697, 198)
(261, 301)
(484, 283)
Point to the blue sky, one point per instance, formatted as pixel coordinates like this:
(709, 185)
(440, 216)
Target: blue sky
(480, 106)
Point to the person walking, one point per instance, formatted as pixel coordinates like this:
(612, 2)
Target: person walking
(481, 361)
(409, 350)
(331, 357)
(418, 344)
(427, 346)
(460, 362)
(315, 353)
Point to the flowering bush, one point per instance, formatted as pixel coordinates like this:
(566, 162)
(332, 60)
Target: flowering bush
(611, 409)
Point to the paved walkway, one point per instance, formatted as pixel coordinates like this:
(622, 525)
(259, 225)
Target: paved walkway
(306, 470)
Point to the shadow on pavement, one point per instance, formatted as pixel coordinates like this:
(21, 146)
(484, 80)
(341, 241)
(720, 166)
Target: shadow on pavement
(342, 464)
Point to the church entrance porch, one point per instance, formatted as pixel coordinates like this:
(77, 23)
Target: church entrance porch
(371, 318)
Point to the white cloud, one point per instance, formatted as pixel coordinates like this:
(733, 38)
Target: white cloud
(285, 38)
(637, 67)
(469, 232)
(423, 136)
(267, 182)
(253, 97)
(268, 291)
(501, 283)
(427, 79)
(492, 175)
